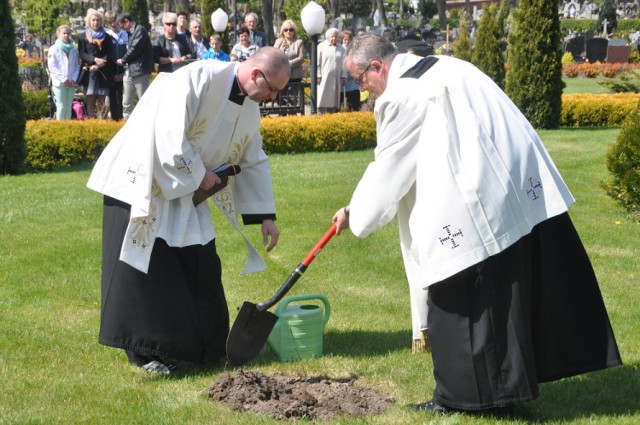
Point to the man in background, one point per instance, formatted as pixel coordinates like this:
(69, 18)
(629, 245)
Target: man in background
(138, 61)
(255, 37)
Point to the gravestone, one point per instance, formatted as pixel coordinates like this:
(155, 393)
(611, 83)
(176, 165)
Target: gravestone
(575, 45)
(618, 54)
(617, 42)
(419, 48)
(597, 49)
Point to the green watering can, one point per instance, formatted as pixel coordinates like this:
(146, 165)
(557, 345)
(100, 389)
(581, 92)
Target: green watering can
(299, 331)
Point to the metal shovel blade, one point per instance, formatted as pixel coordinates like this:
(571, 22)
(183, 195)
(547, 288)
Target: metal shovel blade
(249, 333)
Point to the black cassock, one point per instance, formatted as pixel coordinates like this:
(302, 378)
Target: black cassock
(530, 314)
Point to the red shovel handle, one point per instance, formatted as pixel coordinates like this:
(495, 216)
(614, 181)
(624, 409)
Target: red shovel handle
(298, 272)
(316, 249)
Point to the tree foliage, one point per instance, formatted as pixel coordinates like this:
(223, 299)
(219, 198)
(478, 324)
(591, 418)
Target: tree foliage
(607, 11)
(534, 79)
(487, 55)
(13, 150)
(427, 8)
(623, 162)
(42, 17)
(139, 10)
(462, 46)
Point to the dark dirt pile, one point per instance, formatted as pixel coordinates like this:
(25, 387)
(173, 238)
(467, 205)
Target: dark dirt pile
(284, 397)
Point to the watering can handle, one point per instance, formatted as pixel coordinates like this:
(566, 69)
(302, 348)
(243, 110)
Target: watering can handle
(299, 271)
(285, 303)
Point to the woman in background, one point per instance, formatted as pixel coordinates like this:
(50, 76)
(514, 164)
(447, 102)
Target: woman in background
(351, 90)
(243, 49)
(95, 47)
(293, 47)
(63, 63)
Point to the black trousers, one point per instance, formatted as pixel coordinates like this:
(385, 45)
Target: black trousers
(116, 92)
(531, 314)
(178, 310)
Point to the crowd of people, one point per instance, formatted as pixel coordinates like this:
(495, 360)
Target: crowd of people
(112, 60)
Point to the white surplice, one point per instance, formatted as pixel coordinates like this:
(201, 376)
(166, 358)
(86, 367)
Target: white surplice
(182, 126)
(462, 168)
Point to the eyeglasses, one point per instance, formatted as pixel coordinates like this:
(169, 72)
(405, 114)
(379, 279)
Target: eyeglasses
(288, 29)
(271, 88)
(358, 79)
(173, 24)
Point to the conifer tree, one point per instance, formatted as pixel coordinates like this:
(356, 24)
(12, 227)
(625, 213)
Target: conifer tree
(534, 78)
(607, 11)
(487, 54)
(13, 150)
(462, 45)
(139, 10)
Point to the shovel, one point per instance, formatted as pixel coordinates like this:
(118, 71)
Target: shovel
(254, 322)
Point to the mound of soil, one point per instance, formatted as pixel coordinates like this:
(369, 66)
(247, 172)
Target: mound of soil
(284, 397)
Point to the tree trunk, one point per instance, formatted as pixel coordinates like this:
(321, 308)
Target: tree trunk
(442, 13)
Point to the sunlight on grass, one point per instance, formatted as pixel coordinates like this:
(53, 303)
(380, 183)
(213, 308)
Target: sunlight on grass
(53, 370)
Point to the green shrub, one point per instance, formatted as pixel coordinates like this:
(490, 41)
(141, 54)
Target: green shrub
(12, 120)
(487, 55)
(319, 133)
(534, 79)
(588, 110)
(36, 104)
(53, 144)
(623, 163)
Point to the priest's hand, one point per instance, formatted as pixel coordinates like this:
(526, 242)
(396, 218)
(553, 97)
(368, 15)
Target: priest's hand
(210, 178)
(341, 219)
(270, 230)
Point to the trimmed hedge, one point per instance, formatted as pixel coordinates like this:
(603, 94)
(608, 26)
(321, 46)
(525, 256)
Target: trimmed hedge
(53, 144)
(36, 104)
(589, 110)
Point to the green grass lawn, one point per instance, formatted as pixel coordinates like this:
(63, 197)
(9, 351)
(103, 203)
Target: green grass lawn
(584, 85)
(53, 371)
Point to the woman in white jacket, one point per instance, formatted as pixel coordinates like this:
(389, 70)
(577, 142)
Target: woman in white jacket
(63, 62)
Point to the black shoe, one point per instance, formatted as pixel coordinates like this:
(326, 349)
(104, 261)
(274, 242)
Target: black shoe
(431, 406)
(159, 365)
(137, 358)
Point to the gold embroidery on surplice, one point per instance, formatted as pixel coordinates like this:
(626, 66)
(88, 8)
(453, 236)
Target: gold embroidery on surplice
(143, 229)
(196, 129)
(224, 197)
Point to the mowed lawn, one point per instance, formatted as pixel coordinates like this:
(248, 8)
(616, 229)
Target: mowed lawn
(53, 371)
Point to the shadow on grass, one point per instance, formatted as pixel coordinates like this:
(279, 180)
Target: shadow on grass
(597, 397)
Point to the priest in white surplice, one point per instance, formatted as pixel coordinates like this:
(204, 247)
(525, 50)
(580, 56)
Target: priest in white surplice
(162, 294)
(512, 298)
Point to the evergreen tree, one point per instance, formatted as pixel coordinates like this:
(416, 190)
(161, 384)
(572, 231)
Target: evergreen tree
(139, 10)
(534, 79)
(503, 15)
(13, 150)
(462, 45)
(427, 8)
(487, 55)
(607, 11)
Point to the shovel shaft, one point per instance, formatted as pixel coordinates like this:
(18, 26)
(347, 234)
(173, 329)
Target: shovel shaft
(298, 271)
(316, 249)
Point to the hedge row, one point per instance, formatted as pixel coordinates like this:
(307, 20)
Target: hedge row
(62, 143)
(594, 110)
